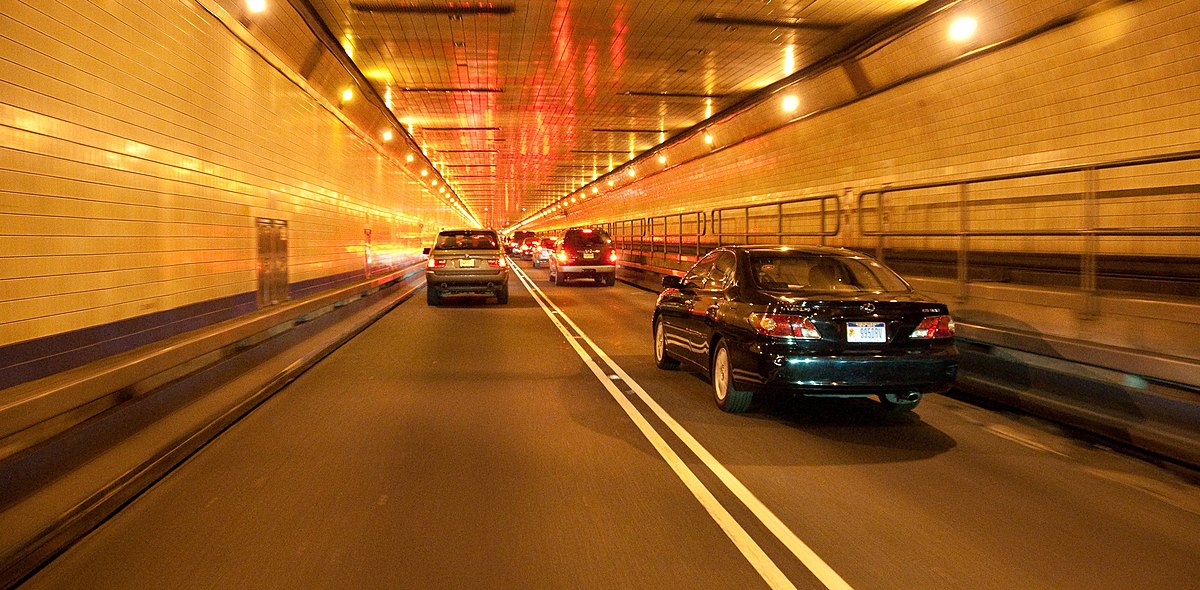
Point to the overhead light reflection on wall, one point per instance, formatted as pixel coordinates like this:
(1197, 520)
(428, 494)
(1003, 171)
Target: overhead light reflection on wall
(963, 28)
(256, 6)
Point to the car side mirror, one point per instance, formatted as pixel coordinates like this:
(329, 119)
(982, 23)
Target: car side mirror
(425, 251)
(672, 282)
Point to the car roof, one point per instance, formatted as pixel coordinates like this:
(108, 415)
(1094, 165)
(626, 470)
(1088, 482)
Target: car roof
(780, 249)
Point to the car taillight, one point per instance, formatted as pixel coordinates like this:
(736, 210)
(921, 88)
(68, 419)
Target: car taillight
(562, 255)
(497, 262)
(435, 263)
(937, 326)
(612, 257)
(778, 324)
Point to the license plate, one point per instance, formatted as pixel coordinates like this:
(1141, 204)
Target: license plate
(866, 332)
(589, 255)
(466, 263)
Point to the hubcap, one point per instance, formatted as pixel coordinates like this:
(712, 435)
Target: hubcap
(659, 341)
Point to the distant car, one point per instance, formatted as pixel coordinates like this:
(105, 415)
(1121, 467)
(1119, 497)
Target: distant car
(525, 248)
(515, 240)
(543, 251)
(584, 253)
(809, 320)
(466, 261)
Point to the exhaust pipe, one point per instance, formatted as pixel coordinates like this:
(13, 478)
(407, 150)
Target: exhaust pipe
(911, 396)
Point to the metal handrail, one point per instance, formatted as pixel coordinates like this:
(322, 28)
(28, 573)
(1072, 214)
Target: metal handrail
(1090, 229)
(654, 243)
(718, 219)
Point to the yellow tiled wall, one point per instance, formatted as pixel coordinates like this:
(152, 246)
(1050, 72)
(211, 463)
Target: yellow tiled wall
(1116, 83)
(139, 142)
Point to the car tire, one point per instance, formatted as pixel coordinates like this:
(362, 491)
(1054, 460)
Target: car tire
(502, 296)
(662, 358)
(432, 297)
(609, 280)
(893, 403)
(728, 397)
(559, 279)
(535, 264)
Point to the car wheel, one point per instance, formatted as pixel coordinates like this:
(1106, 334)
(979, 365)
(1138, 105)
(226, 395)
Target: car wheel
(899, 402)
(431, 296)
(559, 279)
(610, 279)
(502, 295)
(728, 397)
(662, 358)
(535, 264)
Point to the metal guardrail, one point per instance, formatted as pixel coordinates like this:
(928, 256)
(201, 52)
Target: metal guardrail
(786, 215)
(667, 237)
(662, 237)
(959, 213)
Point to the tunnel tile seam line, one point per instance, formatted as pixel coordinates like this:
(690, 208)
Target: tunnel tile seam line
(766, 568)
(817, 566)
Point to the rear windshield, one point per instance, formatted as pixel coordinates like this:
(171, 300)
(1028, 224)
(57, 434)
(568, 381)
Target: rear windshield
(798, 271)
(466, 240)
(582, 239)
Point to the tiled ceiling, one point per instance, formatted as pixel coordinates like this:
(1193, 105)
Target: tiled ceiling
(519, 102)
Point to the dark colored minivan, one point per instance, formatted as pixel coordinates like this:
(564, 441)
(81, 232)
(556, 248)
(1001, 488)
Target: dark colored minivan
(584, 253)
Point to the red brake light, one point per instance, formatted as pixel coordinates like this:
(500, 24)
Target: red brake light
(612, 257)
(778, 324)
(435, 263)
(498, 262)
(587, 231)
(562, 255)
(938, 326)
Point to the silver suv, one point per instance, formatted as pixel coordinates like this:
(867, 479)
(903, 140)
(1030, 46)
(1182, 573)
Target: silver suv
(466, 261)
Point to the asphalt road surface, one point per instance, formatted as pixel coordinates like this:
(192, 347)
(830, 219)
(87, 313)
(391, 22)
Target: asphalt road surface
(475, 445)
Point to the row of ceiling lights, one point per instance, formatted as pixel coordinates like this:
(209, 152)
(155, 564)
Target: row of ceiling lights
(387, 135)
(961, 29)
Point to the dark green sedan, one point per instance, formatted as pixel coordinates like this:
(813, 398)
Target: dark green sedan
(812, 321)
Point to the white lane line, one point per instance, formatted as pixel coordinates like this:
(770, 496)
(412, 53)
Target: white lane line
(1012, 435)
(800, 549)
(758, 558)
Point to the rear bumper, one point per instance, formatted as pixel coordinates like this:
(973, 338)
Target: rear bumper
(451, 282)
(588, 269)
(847, 375)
